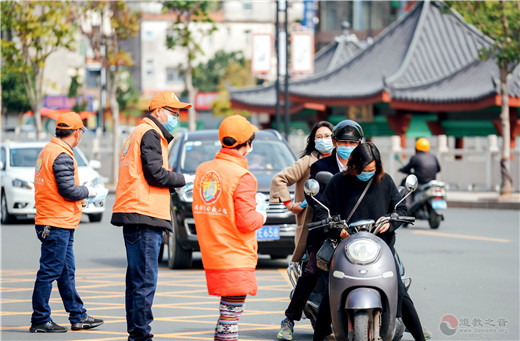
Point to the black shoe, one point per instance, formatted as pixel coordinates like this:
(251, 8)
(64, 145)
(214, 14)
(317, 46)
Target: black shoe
(87, 323)
(47, 327)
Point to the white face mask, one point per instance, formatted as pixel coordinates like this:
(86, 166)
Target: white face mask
(249, 150)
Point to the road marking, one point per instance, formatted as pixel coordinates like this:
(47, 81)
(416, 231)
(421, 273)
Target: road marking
(462, 236)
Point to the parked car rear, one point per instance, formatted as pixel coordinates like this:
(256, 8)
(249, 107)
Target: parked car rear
(17, 162)
(270, 154)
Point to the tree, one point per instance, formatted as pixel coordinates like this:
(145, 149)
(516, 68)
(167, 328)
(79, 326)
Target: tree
(31, 31)
(75, 85)
(498, 20)
(124, 24)
(236, 75)
(207, 76)
(183, 34)
(14, 96)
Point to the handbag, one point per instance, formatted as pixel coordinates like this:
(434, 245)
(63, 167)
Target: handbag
(326, 251)
(324, 254)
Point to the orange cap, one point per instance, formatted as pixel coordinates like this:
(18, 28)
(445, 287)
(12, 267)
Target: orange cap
(71, 120)
(167, 99)
(237, 127)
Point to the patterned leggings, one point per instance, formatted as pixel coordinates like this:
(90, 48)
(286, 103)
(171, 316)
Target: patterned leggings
(227, 325)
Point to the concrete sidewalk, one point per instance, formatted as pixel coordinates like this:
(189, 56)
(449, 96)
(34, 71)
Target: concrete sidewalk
(491, 200)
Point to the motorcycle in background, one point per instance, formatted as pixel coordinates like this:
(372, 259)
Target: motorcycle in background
(429, 202)
(362, 279)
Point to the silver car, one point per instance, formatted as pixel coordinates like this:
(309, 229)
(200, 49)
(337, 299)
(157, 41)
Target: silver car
(17, 162)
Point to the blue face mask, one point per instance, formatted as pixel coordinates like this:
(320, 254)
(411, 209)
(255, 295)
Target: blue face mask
(171, 123)
(365, 176)
(344, 152)
(323, 145)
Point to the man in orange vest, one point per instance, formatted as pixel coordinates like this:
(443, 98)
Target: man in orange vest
(142, 206)
(226, 218)
(58, 198)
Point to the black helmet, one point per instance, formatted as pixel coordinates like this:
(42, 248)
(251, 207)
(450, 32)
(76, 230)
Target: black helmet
(347, 130)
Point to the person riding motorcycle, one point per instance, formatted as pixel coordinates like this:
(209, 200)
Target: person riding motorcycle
(346, 135)
(423, 165)
(340, 196)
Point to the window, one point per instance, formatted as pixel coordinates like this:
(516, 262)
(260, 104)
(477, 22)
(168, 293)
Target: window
(172, 75)
(247, 5)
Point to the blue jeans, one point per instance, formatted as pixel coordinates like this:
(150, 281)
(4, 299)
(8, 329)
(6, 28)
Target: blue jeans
(142, 252)
(56, 264)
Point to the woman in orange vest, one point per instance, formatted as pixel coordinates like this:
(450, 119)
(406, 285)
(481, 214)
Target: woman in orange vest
(226, 218)
(58, 198)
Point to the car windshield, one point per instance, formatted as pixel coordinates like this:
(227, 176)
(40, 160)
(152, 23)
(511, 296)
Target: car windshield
(26, 157)
(267, 155)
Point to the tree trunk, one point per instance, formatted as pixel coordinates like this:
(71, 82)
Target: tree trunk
(506, 186)
(116, 132)
(192, 114)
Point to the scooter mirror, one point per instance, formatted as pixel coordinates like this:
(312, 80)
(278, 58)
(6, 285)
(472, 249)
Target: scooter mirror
(324, 177)
(311, 187)
(411, 183)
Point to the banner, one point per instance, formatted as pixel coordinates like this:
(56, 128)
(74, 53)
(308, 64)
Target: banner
(302, 53)
(262, 53)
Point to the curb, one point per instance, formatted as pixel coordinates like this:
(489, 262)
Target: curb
(488, 204)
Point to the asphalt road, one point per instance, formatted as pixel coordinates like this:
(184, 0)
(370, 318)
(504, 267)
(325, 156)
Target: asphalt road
(465, 278)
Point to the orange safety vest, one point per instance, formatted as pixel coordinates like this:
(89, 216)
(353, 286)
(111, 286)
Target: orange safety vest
(133, 193)
(51, 208)
(229, 256)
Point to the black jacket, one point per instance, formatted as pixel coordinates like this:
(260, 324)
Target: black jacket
(155, 174)
(425, 166)
(63, 169)
(326, 164)
(342, 194)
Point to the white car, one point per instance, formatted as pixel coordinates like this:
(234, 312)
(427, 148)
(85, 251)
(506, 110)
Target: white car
(17, 162)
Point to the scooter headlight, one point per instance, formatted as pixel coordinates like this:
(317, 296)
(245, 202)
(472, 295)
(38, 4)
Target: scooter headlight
(362, 251)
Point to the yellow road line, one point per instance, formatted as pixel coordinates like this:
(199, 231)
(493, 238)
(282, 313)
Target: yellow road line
(462, 236)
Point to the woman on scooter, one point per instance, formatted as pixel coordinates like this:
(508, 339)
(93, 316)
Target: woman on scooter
(340, 196)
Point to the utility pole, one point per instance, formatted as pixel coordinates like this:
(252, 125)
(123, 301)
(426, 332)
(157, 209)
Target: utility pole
(277, 83)
(286, 97)
(103, 96)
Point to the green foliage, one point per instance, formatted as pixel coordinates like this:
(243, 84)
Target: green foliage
(41, 28)
(499, 20)
(74, 86)
(236, 75)
(188, 12)
(14, 96)
(207, 77)
(127, 95)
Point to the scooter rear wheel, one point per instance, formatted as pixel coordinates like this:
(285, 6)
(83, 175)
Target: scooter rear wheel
(434, 219)
(361, 326)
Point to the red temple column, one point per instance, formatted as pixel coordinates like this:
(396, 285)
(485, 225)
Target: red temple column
(399, 123)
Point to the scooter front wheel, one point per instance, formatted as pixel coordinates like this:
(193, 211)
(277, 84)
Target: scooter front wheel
(361, 326)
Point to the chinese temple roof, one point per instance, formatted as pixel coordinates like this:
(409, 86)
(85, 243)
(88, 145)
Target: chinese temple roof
(263, 97)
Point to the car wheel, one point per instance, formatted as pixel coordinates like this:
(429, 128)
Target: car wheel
(6, 217)
(178, 258)
(95, 218)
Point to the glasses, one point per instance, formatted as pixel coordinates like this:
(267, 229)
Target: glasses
(174, 113)
(324, 136)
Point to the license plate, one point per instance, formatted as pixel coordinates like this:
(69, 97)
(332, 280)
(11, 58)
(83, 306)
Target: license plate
(439, 204)
(268, 232)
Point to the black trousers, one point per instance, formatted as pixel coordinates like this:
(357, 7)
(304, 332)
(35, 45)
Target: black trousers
(303, 289)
